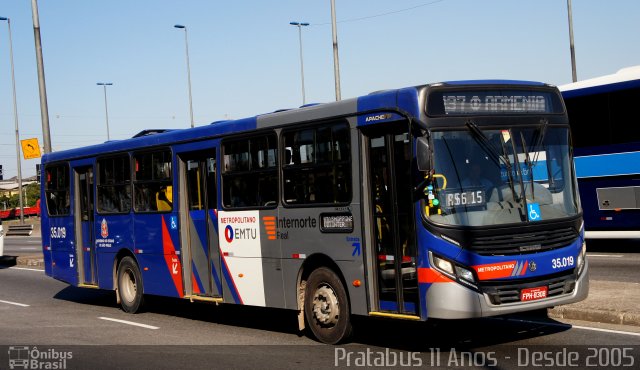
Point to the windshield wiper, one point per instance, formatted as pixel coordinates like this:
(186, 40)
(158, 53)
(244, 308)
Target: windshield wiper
(543, 130)
(493, 153)
(527, 161)
(484, 142)
(507, 163)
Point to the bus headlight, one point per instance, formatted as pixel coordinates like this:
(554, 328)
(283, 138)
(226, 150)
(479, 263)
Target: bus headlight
(459, 273)
(581, 259)
(443, 265)
(465, 274)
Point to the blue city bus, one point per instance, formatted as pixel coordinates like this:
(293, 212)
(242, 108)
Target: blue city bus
(449, 200)
(607, 152)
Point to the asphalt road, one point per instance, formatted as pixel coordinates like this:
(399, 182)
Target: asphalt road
(20, 245)
(37, 311)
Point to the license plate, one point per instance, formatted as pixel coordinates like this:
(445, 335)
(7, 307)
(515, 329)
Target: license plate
(531, 294)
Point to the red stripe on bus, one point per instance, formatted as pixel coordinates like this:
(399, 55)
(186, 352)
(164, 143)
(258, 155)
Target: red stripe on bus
(428, 276)
(173, 262)
(194, 283)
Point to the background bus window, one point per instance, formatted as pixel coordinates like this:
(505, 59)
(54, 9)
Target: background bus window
(317, 168)
(114, 185)
(250, 176)
(57, 190)
(152, 184)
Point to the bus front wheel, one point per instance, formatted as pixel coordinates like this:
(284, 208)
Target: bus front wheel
(130, 285)
(326, 307)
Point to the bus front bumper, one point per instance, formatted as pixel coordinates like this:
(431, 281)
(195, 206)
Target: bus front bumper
(455, 301)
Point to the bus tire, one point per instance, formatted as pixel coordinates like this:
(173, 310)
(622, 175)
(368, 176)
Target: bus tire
(130, 285)
(326, 307)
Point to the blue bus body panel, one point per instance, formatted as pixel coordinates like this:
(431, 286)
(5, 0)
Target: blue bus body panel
(166, 138)
(113, 233)
(614, 164)
(603, 167)
(601, 89)
(157, 250)
(405, 100)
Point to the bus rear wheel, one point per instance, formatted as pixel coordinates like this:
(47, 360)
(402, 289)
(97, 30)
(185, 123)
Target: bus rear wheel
(326, 307)
(130, 285)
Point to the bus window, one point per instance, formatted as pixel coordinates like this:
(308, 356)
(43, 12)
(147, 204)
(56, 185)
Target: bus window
(250, 176)
(152, 181)
(114, 185)
(318, 165)
(57, 190)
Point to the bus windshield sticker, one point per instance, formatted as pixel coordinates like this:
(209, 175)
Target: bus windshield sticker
(534, 212)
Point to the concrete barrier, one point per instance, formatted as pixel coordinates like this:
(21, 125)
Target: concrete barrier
(19, 230)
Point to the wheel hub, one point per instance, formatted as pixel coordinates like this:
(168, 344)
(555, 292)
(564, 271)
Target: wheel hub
(325, 306)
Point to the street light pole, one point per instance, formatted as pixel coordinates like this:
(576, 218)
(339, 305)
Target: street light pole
(106, 110)
(336, 62)
(44, 109)
(300, 25)
(574, 74)
(15, 117)
(186, 44)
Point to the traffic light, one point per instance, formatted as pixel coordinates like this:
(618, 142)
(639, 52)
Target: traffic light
(1, 174)
(37, 173)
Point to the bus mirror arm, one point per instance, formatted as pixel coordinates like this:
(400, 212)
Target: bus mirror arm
(423, 154)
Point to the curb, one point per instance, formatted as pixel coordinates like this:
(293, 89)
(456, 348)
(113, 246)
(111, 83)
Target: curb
(586, 314)
(30, 262)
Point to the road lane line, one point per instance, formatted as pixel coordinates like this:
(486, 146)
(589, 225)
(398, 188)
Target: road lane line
(575, 327)
(605, 255)
(15, 303)
(130, 323)
(29, 248)
(24, 268)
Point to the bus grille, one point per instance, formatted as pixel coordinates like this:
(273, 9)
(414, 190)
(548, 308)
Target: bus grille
(508, 291)
(524, 243)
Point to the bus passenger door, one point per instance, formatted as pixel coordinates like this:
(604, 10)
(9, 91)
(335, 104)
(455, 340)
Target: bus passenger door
(83, 219)
(394, 246)
(201, 257)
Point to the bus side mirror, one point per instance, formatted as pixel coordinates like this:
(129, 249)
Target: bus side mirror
(423, 154)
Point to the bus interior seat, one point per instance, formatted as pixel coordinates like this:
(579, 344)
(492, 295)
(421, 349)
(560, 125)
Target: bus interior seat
(164, 198)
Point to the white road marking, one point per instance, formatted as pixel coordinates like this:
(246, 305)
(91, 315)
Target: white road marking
(605, 255)
(130, 323)
(29, 248)
(15, 303)
(576, 327)
(24, 268)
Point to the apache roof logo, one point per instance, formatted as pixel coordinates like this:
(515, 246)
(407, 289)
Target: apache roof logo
(378, 117)
(104, 229)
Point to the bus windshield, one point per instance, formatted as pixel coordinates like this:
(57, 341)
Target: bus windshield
(501, 176)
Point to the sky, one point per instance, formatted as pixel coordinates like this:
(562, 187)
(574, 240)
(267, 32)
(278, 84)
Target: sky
(245, 57)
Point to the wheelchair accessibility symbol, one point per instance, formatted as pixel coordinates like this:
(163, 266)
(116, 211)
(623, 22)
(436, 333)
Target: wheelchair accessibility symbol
(174, 223)
(534, 212)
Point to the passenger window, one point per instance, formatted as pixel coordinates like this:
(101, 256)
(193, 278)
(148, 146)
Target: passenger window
(57, 190)
(153, 190)
(114, 185)
(250, 176)
(317, 168)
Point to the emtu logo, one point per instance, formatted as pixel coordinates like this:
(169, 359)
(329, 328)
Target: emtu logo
(270, 227)
(228, 233)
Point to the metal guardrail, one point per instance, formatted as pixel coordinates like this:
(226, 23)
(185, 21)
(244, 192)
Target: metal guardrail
(19, 230)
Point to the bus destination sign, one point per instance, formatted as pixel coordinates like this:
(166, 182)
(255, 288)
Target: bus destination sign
(458, 102)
